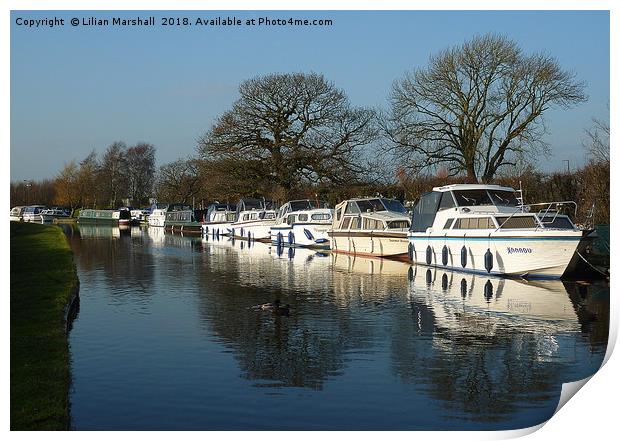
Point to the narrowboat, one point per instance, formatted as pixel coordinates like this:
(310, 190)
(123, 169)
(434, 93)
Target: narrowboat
(186, 221)
(112, 217)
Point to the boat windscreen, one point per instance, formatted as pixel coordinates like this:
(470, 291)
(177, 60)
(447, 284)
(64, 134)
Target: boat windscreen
(470, 198)
(394, 205)
(302, 205)
(503, 198)
(370, 205)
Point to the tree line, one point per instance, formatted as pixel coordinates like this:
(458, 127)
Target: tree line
(475, 113)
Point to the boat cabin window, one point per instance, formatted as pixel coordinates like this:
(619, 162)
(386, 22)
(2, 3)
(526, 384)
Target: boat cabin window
(352, 208)
(345, 223)
(254, 216)
(356, 223)
(290, 219)
(373, 224)
(425, 210)
(446, 201)
(468, 198)
(338, 214)
(516, 222)
(268, 216)
(246, 216)
(397, 224)
(303, 218)
(448, 224)
(474, 223)
(394, 205)
(230, 217)
(321, 216)
(503, 198)
(370, 205)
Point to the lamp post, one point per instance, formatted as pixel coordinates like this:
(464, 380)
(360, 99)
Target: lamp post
(27, 185)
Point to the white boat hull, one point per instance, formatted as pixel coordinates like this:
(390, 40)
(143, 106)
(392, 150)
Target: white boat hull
(540, 256)
(370, 243)
(216, 229)
(258, 230)
(302, 235)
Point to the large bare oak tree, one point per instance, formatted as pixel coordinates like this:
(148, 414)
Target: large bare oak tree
(299, 125)
(477, 107)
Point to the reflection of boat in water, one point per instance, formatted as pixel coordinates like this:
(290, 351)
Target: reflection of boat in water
(96, 231)
(474, 304)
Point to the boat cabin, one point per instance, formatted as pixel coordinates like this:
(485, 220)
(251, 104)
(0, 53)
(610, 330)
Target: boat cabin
(479, 206)
(371, 214)
(221, 212)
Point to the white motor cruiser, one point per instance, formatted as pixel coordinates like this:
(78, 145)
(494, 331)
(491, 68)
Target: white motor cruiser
(218, 219)
(254, 220)
(488, 229)
(302, 223)
(370, 227)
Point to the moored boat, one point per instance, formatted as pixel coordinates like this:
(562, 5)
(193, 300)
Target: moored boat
(254, 220)
(17, 213)
(184, 220)
(32, 213)
(112, 217)
(487, 229)
(218, 219)
(370, 227)
(302, 223)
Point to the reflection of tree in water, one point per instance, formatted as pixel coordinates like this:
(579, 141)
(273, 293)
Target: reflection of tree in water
(483, 366)
(591, 303)
(122, 257)
(300, 350)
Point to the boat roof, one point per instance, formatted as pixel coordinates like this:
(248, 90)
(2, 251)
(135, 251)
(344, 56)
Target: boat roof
(453, 187)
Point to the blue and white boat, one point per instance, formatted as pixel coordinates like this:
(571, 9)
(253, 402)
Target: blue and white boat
(487, 229)
(218, 219)
(254, 219)
(302, 223)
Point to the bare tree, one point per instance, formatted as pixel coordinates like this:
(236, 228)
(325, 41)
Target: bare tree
(477, 107)
(300, 126)
(179, 181)
(597, 143)
(113, 174)
(66, 186)
(140, 160)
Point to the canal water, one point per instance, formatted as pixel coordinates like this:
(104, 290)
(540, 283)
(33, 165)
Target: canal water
(166, 338)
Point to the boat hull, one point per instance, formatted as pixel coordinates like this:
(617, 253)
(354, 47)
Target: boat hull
(259, 231)
(301, 235)
(370, 243)
(518, 256)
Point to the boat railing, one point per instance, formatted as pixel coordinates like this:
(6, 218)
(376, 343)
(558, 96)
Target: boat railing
(548, 208)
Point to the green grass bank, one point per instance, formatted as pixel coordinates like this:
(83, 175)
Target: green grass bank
(43, 284)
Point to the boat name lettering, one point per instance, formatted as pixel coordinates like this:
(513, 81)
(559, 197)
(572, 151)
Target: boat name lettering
(519, 250)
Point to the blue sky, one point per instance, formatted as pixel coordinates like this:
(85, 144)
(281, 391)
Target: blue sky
(75, 89)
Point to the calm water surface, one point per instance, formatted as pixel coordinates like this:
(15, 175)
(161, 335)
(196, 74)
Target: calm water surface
(166, 338)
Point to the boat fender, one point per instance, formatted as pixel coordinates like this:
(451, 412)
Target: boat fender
(488, 260)
(488, 291)
(429, 255)
(464, 256)
(291, 238)
(444, 255)
(241, 234)
(463, 288)
(411, 252)
(249, 236)
(308, 234)
(206, 230)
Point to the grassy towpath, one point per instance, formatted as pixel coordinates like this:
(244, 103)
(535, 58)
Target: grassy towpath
(43, 283)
